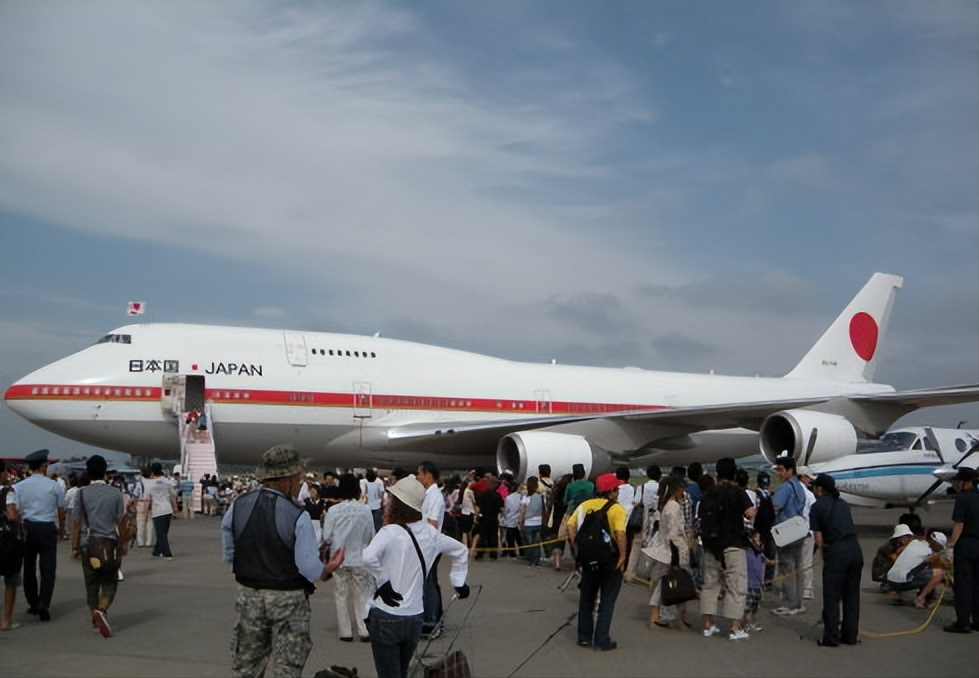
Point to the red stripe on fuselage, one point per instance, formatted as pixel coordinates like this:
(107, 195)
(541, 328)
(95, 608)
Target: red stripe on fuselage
(317, 399)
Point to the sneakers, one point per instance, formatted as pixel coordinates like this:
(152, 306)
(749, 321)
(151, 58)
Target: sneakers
(754, 627)
(100, 620)
(712, 631)
(781, 610)
(740, 634)
(797, 610)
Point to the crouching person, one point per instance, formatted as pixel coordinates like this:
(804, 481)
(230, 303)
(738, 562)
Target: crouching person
(918, 567)
(399, 557)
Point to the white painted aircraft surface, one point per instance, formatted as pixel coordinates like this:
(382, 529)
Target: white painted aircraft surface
(904, 468)
(357, 401)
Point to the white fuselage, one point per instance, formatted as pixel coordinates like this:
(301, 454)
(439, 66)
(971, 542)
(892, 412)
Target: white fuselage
(338, 397)
(882, 475)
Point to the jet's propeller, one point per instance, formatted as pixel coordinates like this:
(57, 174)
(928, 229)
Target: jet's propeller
(944, 473)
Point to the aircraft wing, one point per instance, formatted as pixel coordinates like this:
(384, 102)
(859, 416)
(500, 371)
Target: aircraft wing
(924, 397)
(644, 426)
(655, 428)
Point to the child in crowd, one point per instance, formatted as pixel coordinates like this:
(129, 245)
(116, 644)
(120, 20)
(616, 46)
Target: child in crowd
(756, 577)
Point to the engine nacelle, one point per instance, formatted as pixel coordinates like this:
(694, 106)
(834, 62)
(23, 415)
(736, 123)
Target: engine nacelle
(809, 437)
(521, 453)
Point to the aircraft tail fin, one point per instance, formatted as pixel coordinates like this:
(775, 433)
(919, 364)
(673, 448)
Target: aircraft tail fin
(847, 351)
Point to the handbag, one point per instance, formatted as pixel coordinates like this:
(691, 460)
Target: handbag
(790, 531)
(677, 585)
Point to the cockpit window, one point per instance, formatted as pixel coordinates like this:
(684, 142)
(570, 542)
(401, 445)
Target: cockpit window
(895, 441)
(116, 339)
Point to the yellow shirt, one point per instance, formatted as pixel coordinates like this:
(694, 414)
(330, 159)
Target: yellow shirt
(616, 514)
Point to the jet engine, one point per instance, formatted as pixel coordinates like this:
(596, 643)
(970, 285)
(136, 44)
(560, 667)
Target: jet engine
(809, 437)
(521, 453)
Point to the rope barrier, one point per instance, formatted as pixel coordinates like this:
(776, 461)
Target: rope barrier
(519, 547)
(782, 576)
(921, 627)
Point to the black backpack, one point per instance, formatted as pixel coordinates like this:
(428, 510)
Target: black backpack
(721, 520)
(596, 552)
(11, 540)
(710, 516)
(765, 516)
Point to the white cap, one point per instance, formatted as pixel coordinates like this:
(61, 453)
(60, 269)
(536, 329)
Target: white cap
(902, 530)
(939, 538)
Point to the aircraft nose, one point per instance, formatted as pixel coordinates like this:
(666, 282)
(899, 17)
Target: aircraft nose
(14, 397)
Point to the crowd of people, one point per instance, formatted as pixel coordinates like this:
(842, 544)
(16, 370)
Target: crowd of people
(381, 538)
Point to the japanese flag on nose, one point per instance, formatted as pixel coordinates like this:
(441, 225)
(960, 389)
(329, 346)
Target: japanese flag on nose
(137, 307)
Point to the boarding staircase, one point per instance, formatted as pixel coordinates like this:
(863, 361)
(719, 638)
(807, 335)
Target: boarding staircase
(197, 455)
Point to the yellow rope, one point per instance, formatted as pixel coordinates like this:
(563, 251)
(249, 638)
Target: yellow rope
(863, 632)
(921, 627)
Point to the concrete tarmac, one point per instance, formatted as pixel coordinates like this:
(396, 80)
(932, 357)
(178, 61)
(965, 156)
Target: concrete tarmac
(174, 618)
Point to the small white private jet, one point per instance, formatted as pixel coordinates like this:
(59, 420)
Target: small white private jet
(359, 401)
(907, 467)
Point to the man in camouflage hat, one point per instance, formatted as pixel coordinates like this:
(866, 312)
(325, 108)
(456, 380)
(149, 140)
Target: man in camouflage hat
(271, 544)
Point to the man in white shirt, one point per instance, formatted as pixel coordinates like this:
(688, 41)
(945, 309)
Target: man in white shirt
(433, 511)
(918, 566)
(650, 490)
(627, 493)
(144, 520)
(372, 493)
(806, 475)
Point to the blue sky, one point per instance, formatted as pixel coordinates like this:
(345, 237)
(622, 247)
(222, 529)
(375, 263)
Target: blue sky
(688, 186)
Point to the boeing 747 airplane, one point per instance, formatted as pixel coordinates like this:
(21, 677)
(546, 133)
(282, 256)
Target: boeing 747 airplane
(358, 401)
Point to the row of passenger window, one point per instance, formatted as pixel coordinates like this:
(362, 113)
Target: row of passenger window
(344, 353)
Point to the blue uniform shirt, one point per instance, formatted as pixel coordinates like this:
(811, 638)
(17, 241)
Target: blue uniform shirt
(40, 498)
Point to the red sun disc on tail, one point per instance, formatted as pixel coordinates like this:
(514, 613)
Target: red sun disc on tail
(863, 335)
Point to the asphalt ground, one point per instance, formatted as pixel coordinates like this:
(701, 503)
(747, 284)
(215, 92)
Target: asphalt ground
(174, 618)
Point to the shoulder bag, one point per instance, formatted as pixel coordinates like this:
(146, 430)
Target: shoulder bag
(790, 531)
(635, 523)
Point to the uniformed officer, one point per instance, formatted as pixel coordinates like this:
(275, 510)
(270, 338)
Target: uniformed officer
(835, 535)
(42, 503)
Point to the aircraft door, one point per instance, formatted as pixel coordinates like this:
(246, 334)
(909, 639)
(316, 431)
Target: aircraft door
(194, 392)
(363, 400)
(543, 399)
(182, 393)
(172, 394)
(295, 348)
